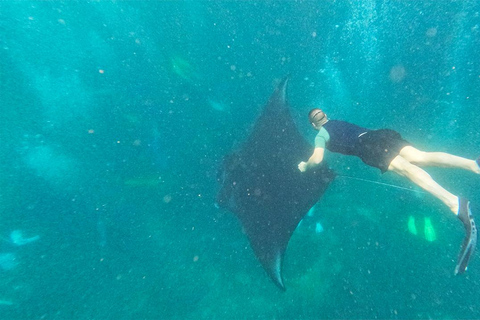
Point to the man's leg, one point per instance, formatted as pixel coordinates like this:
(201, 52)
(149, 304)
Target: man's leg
(459, 206)
(438, 159)
(422, 179)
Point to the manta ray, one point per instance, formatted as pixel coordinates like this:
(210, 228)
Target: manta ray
(261, 184)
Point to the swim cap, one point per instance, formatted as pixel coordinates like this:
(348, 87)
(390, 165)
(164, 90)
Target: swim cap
(317, 117)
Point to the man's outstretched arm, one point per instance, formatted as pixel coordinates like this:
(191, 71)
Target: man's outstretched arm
(315, 159)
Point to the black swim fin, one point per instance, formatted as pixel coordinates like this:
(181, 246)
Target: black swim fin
(470, 241)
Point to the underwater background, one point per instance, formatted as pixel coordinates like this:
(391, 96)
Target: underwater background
(115, 117)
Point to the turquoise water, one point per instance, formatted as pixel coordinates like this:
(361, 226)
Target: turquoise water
(115, 117)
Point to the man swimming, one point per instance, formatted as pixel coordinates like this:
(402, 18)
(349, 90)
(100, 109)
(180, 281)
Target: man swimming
(386, 150)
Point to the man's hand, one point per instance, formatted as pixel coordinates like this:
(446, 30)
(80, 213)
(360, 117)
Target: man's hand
(302, 166)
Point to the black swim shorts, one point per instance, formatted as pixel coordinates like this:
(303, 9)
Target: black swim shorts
(379, 147)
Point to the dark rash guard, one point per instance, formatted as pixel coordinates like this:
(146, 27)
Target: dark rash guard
(344, 137)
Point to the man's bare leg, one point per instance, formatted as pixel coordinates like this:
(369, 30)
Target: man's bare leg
(422, 179)
(459, 206)
(438, 159)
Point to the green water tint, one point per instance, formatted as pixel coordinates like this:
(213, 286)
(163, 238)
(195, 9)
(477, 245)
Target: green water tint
(182, 68)
(412, 228)
(428, 229)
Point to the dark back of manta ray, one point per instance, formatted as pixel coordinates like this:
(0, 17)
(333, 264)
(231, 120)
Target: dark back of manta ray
(261, 183)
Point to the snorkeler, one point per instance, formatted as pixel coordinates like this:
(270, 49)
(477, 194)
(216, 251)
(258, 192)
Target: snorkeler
(386, 150)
